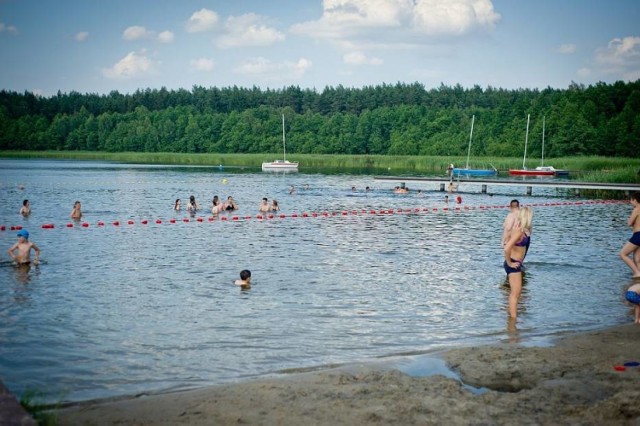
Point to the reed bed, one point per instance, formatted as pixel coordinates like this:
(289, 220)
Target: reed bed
(594, 169)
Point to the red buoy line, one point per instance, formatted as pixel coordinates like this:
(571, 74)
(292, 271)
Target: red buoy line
(323, 214)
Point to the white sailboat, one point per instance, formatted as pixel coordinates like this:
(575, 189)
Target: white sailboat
(281, 165)
(539, 171)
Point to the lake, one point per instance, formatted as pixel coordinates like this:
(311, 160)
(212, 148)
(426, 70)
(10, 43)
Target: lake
(121, 310)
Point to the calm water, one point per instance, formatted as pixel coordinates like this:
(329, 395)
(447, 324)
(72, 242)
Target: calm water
(122, 310)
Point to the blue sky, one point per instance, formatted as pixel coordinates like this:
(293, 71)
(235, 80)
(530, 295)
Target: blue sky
(95, 46)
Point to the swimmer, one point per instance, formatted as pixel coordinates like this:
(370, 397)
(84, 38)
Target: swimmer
(274, 206)
(633, 296)
(292, 190)
(230, 204)
(514, 253)
(23, 248)
(446, 199)
(76, 213)
(631, 246)
(25, 210)
(264, 205)
(245, 279)
(192, 205)
(178, 205)
(217, 206)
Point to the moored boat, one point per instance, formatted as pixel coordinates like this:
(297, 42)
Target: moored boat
(466, 171)
(281, 165)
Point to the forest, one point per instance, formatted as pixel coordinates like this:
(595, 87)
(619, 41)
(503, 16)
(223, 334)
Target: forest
(401, 119)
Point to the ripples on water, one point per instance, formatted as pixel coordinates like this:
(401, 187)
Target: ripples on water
(123, 310)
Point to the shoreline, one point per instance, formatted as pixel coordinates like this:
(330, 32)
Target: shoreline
(573, 381)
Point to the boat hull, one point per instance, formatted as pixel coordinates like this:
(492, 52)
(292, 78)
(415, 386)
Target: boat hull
(473, 172)
(515, 172)
(280, 166)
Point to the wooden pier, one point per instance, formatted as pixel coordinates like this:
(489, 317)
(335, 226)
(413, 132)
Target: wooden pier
(529, 183)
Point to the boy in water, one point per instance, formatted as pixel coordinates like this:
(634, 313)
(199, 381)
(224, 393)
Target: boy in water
(76, 213)
(26, 208)
(633, 296)
(631, 246)
(23, 248)
(245, 279)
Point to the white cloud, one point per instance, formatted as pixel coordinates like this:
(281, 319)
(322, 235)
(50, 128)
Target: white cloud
(202, 64)
(8, 28)
(81, 36)
(566, 49)
(620, 51)
(621, 56)
(202, 20)
(165, 37)
(131, 66)
(342, 20)
(359, 58)
(248, 30)
(453, 17)
(262, 67)
(137, 32)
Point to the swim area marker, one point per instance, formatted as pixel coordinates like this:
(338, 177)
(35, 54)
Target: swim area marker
(323, 214)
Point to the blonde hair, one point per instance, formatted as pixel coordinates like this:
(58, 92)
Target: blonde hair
(525, 217)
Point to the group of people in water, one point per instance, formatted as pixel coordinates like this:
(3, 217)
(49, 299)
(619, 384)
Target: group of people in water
(516, 239)
(229, 204)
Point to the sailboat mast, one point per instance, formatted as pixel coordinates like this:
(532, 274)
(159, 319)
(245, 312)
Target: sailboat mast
(284, 144)
(526, 139)
(473, 118)
(542, 141)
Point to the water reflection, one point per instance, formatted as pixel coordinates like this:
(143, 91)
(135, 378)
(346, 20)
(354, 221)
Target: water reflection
(120, 309)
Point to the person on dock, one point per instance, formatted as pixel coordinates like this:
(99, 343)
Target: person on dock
(76, 213)
(25, 210)
(245, 279)
(631, 246)
(514, 252)
(510, 221)
(633, 296)
(20, 252)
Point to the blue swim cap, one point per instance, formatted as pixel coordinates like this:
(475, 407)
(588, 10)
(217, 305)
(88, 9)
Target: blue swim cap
(23, 233)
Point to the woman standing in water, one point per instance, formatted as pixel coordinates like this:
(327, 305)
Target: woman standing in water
(514, 251)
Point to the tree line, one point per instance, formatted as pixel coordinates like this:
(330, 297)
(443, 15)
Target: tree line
(401, 119)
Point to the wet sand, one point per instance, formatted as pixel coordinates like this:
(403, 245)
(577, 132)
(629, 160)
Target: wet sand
(572, 382)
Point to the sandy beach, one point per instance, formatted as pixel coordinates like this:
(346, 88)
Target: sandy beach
(575, 381)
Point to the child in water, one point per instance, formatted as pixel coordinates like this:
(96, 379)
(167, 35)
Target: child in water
(245, 279)
(24, 247)
(633, 296)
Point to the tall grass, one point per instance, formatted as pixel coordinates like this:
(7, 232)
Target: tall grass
(601, 169)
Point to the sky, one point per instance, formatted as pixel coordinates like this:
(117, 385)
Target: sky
(97, 46)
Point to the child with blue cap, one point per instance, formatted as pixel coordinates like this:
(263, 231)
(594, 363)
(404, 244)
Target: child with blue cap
(20, 252)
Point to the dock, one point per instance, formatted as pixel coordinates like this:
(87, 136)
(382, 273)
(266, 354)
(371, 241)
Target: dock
(528, 183)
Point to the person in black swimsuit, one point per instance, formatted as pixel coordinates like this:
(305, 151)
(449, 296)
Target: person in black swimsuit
(514, 252)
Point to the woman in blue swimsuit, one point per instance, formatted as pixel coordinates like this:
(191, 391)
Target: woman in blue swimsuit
(514, 251)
